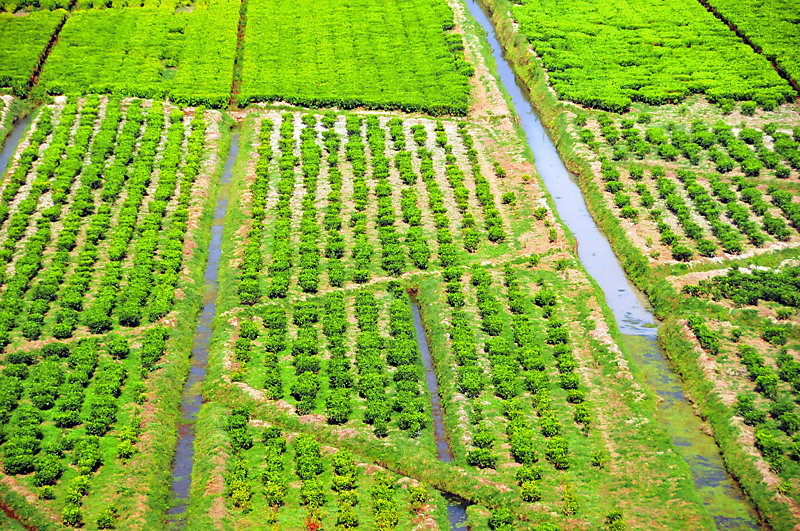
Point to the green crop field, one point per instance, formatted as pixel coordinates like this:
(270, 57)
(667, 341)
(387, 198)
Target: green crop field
(607, 55)
(772, 26)
(413, 63)
(304, 266)
(22, 43)
(327, 340)
(187, 56)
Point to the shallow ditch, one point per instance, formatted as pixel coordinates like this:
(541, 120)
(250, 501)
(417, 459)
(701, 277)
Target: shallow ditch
(12, 141)
(456, 507)
(719, 492)
(192, 396)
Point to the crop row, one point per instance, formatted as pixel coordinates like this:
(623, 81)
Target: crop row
(748, 288)
(723, 149)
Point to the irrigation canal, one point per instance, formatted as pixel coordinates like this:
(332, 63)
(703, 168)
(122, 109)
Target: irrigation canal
(191, 399)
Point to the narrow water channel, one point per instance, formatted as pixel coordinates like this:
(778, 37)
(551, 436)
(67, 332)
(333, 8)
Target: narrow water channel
(720, 493)
(12, 141)
(193, 388)
(456, 507)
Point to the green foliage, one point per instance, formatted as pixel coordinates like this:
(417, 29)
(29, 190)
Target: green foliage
(608, 65)
(22, 42)
(132, 51)
(412, 64)
(708, 339)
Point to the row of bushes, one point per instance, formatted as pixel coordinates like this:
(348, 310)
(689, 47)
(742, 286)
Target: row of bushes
(335, 246)
(274, 341)
(493, 222)
(338, 403)
(306, 356)
(403, 354)
(354, 151)
(123, 146)
(311, 157)
(252, 262)
(282, 256)
(237, 481)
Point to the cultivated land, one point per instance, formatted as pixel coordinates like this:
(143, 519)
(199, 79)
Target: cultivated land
(539, 398)
(700, 202)
(381, 172)
(101, 205)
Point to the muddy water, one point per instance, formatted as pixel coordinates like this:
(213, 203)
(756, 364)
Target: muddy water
(12, 140)
(192, 390)
(721, 495)
(456, 507)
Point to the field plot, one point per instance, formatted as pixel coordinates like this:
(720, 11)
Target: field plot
(337, 58)
(697, 185)
(186, 55)
(343, 223)
(23, 40)
(694, 193)
(740, 326)
(100, 209)
(608, 55)
(688, 195)
(771, 26)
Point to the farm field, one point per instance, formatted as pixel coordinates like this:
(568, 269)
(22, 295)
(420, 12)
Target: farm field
(100, 205)
(608, 55)
(267, 265)
(772, 27)
(700, 201)
(535, 418)
(414, 63)
(24, 40)
(186, 55)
